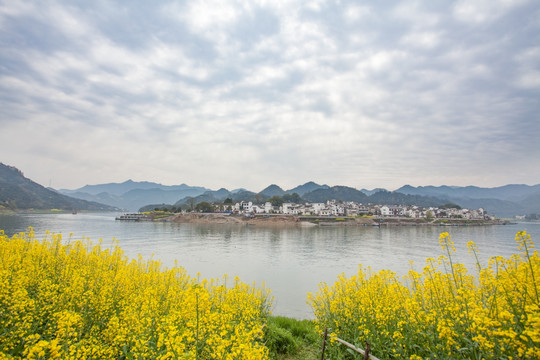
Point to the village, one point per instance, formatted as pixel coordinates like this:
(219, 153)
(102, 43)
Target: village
(349, 208)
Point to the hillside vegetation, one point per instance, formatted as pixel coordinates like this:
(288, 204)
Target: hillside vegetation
(19, 193)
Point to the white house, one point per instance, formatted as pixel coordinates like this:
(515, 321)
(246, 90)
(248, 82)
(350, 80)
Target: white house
(257, 209)
(318, 207)
(246, 206)
(286, 208)
(392, 210)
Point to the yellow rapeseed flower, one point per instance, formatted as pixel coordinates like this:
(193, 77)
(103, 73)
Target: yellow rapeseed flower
(81, 301)
(441, 312)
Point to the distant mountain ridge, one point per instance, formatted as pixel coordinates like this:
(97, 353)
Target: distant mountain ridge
(505, 201)
(129, 185)
(272, 190)
(245, 195)
(340, 193)
(306, 188)
(512, 192)
(371, 192)
(131, 195)
(20, 193)
(321, 193)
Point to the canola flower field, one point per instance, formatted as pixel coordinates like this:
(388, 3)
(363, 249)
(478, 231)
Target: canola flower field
(443, 312)
(75, 300)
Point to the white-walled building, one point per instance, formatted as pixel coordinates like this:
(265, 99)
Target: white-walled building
(392, 210)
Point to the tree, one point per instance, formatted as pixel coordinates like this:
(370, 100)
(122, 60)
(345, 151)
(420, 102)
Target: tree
(191, 203)
(532, 217)
(292, 198)
(450, 206)
(204, 207)
(276, 200)
(228, 201)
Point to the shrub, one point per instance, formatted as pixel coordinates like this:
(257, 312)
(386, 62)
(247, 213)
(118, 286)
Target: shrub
(280, 340)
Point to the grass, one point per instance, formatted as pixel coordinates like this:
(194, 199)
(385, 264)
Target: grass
(291, 339)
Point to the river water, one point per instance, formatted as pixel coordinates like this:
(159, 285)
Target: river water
(291, 261)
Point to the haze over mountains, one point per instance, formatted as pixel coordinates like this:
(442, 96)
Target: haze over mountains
(131, 195)
(18, 192)
(504, 201)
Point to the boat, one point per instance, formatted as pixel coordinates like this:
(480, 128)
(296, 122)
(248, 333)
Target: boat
(134, 217)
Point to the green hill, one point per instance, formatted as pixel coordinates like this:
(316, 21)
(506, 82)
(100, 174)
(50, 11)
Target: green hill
(20, 193)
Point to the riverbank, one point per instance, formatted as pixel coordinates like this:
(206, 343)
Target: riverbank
(6, 211)
(224, 218)
(292, 220)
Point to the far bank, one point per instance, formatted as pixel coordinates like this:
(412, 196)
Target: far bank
(293, 220)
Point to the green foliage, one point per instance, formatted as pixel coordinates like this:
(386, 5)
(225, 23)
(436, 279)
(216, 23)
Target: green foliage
(450, 206)
(228, 201)
(280, 340)
(300, 329)
(276, 200)
(161, 207)
(287, 198)
(19, 193)
(288, 338)
(204, 207)
(292, 198)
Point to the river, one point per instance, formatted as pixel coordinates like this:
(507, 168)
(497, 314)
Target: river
(291, 261)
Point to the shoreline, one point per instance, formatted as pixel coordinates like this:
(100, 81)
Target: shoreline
(310, 221)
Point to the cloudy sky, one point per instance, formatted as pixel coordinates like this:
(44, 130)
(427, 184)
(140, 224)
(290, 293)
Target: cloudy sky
(248, 93)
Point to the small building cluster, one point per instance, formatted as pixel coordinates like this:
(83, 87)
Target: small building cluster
(350, 208)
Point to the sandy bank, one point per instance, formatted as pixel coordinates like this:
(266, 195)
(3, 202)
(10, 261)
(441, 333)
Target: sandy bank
(217, 218)
(291, 220)
(261, 220)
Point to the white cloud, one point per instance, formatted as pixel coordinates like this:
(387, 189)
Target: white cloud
(413, 12)
(528, 62)
(484, 11)
(284, 91)
(530, 80)
(425, 39)
(354, 13)
(207, 15)
(18, 8)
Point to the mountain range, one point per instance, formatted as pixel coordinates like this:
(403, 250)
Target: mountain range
(504, 201)
(131, 195)
(20, 192)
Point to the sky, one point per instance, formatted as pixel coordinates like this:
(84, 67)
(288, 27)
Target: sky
(243, 94)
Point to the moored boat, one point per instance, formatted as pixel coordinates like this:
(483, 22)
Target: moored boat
(134, 217)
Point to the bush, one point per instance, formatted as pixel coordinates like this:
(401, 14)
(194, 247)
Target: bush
(280, 340)
(301, 329)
